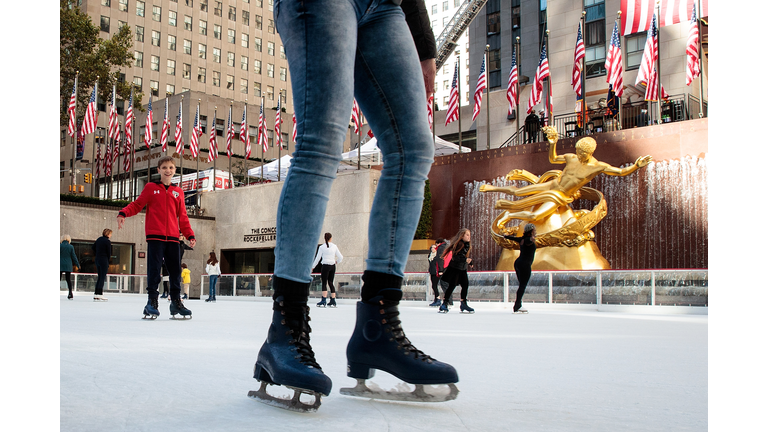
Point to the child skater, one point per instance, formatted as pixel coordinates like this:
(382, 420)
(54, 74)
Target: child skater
(456, 273)
(523, 263)
(166, 216)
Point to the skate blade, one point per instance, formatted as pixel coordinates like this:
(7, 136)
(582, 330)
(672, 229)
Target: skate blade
(293, 404)
(150, 317)
(100, 300)
(436, 393)
(183, 318)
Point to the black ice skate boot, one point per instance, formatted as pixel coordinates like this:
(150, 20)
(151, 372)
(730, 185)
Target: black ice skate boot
(332, 302)
(286, 358)
(379, 342)
(150, 310)
(321, 303)
(435, 303)
(177, 307)
(443, 307)
(465, 308)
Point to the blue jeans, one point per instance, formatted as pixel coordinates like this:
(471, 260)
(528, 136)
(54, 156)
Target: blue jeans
(338, 50)
(212, 279)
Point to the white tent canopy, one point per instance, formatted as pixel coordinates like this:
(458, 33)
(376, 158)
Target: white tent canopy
(369, 155)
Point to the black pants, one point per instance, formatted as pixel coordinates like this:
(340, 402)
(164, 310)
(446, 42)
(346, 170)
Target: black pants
(157, 251)
(456, 277)
(435, 279)
(326, 276)
(68, 278)
(102, 265)
(523, 273)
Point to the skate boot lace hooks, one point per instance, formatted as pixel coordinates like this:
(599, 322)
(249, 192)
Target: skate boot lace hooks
(391, 323)
(299, 328)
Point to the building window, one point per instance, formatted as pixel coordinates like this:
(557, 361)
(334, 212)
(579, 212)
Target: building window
(204, 28)
(243, 86)
(172, 18)
(445, 5)
(257, 66)
(171, 67)
(271, 26)
(257, 19)
(257, 89)
(257, 44)
(244, 40)
(137, 83)
(244, 63)
(230, 36)
(594, 38)
(170, 89)
(282, 52)
(105, 24)
(154, 63)
(187, 22)
(201, 48)
(230, 82)
(201, 75)
(120, 24)
(493, 40)
(271, 48)
(172, 42)
(270, 70)
(271, 5)
(186, 71)
(434, 9)
(154, 87)
(190, 3)
(217, 32)
(204, 5)
(217, 9)
(139, 34)
(230, 59)
(270, 93)
(122, 6)
(139, 8)
(258, 3)
(155, 38)
(246, 17)
(187, 47)
(216, 79)
(157, 11)
(635, 44)
(232, 13)
(283, 74)
(139, 57)
(217, 55)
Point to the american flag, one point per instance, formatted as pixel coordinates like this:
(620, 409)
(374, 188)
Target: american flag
(294, 128)
(148, 124)
(692, 69)
(98, 161)
(453, 100)
(648, 73)
(89, 121)
(113, 129)
(129, 121)
(244, 137)
(126, 153)
(116, 147)
(430, 108)
(230, 133)
(636, 14)
(542, 71)
(578, 56)
(613, 64)
(482, 83)
(262, 127)
(652, 87)
(107, 159)
(177, 135)
(72, 126)
(512, 84)
(194, 137)
(213, 151)
(166, 126)
(356, 116)
(278, 122)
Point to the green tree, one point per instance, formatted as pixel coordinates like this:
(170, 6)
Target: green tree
(83, 51)
(424, 229)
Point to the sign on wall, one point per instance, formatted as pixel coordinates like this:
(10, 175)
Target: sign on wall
(261, 235)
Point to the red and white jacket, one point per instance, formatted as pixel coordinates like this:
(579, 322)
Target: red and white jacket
(166, 212)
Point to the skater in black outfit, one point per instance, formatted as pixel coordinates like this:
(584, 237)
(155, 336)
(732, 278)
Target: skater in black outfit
(67, 258)
(456, 273)
(328, 255)
(102, 250)
(523, 263)
(436, 267)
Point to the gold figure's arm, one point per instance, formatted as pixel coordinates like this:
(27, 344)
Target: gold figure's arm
(552, 137)
(639, 163)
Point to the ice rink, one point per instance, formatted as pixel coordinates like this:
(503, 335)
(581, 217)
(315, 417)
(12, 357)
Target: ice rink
(558, 368)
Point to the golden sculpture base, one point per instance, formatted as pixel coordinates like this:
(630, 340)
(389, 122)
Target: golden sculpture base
(584, 257)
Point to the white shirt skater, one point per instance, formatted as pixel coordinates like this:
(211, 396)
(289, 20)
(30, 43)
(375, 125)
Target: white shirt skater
(213, 269)
(328, 255)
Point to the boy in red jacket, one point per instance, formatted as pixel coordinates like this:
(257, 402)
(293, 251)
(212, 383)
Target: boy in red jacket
(166, 217)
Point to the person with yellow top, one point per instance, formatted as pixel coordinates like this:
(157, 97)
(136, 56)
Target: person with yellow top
(185, 280)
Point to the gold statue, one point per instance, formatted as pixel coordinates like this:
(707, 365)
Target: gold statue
(546, 204)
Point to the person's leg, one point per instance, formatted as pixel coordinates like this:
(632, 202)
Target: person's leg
(101, 270)
(464, 282)
(173, 263)
(325, 271)
(154, 274)
(212, 280)
(68, 278)
(523, 276)
(331, 275)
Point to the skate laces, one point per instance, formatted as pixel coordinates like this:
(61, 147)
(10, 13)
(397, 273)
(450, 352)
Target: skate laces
(296, 318)
(391, 316)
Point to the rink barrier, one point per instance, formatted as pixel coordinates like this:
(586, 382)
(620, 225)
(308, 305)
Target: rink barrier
(669, 287)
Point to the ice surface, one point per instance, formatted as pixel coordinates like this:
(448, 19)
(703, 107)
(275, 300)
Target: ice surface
(558, 368)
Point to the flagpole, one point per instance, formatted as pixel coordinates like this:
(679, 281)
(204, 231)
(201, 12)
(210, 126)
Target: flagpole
(247, 137)
(96, 131)
(583, 24)
(197, 159)
(517, 83)
(181, 156)
(614, 90)
(130, 147)
(73, 173)
(119, 153)
(658, 63)
(359, 139)
(488, 100)
(458, 90)
(280, 146)
(701, 64)
(259, 136)
(547, 104)
(215, 108)
(229, 126)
